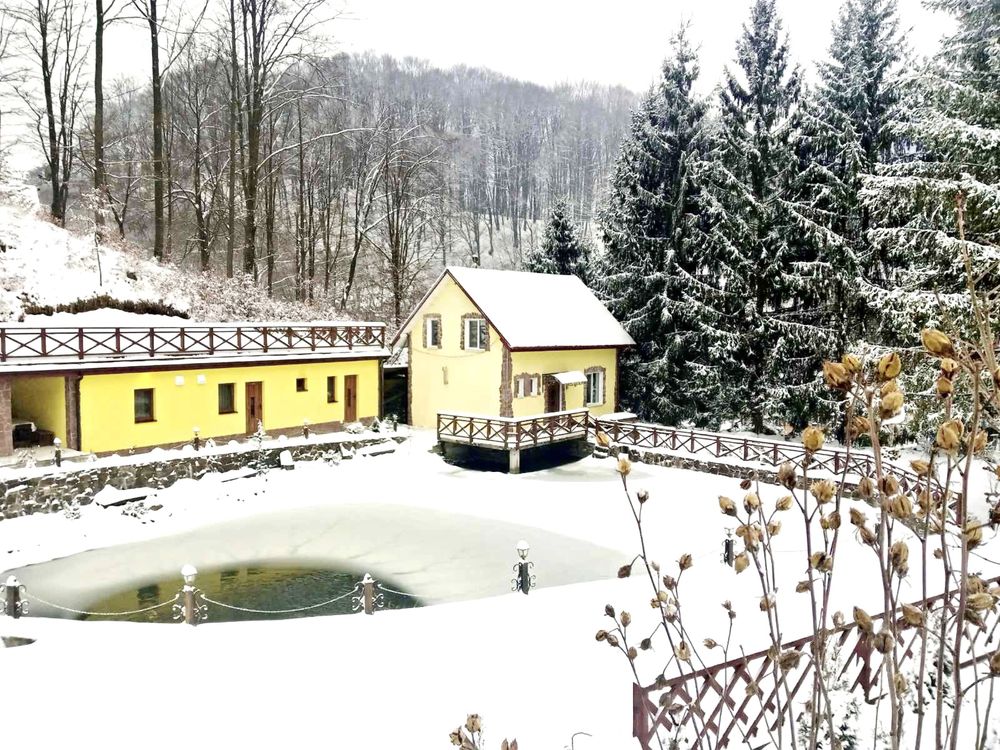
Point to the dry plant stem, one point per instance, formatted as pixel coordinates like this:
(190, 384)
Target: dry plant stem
(654, 583)
(964, 569)
(889, 605)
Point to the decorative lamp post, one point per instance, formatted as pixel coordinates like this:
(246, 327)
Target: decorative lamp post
(190, 573)
(525, 580)
(197, 441)
(305, 428)
(57, 444)
(728, 548)
(12, 602)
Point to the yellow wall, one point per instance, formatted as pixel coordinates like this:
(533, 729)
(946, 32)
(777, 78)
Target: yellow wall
(473, 377)
(562, 360)
(43, 401)
(107, 416)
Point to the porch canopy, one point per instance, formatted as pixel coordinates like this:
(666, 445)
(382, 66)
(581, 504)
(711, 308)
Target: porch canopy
(570, 377)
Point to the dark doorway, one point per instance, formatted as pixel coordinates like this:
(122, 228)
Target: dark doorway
(553, 395)
(350, 398)
(255, 406)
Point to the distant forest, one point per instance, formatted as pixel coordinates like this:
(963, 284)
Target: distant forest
(344, 180)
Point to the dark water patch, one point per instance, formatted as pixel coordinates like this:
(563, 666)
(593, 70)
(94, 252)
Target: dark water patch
(252, 587)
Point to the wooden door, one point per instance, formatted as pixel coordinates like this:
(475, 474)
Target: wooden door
(254, 406)
(553, 396)
(350, 398)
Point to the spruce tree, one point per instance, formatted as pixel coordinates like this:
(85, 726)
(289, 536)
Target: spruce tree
(952, 127)
(563, 249)
(650, 231)
(767, 269)
(850, 133)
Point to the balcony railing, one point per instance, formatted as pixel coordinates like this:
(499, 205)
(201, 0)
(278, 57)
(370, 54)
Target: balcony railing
(23, 344)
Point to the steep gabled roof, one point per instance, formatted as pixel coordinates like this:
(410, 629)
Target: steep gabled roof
(536, 310)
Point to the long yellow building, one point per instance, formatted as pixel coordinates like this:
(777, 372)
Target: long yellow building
(510, 344)
(108, 389)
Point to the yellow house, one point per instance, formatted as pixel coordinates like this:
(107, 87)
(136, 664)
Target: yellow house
(510, 344)
(104, 389)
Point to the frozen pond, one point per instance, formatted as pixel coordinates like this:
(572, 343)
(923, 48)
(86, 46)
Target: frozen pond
(302, 556)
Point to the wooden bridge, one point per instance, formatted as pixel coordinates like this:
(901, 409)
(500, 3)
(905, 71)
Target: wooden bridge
(513, 434)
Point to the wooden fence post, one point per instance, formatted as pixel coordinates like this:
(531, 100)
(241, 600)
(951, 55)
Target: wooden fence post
(190, 573)
(12, 596)
(368, 594)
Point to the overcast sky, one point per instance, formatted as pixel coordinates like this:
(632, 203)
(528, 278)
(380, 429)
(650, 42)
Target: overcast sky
(552, 41)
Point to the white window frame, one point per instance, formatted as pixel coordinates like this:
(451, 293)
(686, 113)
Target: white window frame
(596, 389)
(430, 333)
(531, 383)
(480, 324)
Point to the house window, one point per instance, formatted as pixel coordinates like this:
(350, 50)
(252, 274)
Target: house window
(144, 405)
(595, 388)
(300, 385)
(331, 389)
(432, 333)
(227, 398)
(475, 333)
(526, 385)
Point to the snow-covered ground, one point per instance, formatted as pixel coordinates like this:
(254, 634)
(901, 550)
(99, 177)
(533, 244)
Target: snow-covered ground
(404, 678)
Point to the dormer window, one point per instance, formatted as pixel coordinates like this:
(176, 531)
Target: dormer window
(475, 333)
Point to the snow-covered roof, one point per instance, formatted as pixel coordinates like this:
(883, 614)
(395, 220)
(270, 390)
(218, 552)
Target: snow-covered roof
(538, 310)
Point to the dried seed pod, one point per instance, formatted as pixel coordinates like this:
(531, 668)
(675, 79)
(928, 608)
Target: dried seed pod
(867, 535)
(685, 562)
(889, 366)
(601, 635)
(832, 521)
(920, 467)
(883, 641)
(609, 610)
(838, 619)
(803, 587)
(632, 653)
(786, 475)
(944, 387)
(859, 426)
(836, 376)
(670, 582)
(751, 502)
(857, 517)
(851, 363)
(784, 503)
(890, 386)
(995, 662)
(625, 571)
(973, 534)
(812, 438)
(646, 643)
(727, 506)
(975, 584)
(949, 367)
(741, 562)
(626, 619)
(612, 640)
(914, 616)
(774, 528)
(642, 495)
(866, 488)
(602, 439)
(823, 490)
(901, 507)
(890, 485)
(937, 343)
(662, 596)
(789, 660)
(863, 621)
(710, 643)
(890, 405)
(753, 688)
(901, 684)
(980, 602)
(624, 466)
(899, 555)
(818, 560)
(976, 444)
(682, 652)
(949, 435)
(766, 602)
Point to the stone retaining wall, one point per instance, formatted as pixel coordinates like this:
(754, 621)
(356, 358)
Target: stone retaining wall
(76, 484)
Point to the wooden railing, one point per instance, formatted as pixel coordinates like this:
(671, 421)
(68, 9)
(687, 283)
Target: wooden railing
(769, 452)
(19, 343)
(717, 701)
(509, 433)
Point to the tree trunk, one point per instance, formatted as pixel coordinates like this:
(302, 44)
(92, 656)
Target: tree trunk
(158, 202)
(100, 177)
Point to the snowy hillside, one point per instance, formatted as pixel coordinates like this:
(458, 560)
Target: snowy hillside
(43, 266)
